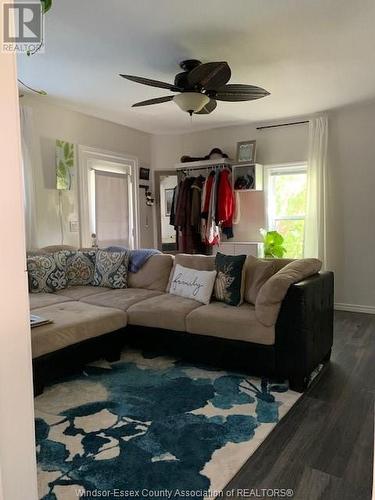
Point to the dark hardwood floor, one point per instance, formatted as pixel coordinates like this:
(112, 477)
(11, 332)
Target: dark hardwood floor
(323, 448)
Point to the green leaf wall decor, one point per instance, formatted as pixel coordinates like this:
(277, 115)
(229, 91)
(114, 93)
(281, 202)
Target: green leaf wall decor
(65, 155)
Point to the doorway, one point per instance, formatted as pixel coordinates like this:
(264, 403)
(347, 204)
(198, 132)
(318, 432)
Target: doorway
(165, 184)
(109, 207)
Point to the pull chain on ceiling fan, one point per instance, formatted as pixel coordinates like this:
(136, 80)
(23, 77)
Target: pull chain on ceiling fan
(200, 86)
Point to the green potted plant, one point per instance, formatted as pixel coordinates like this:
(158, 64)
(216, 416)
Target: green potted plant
(273, 244)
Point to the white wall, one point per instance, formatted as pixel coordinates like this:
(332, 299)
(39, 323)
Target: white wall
(352, 157)
(352, 188)
(17, 449)
(54, 122)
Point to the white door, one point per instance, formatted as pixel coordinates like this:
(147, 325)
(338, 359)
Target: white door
(108, 199)
(112, 217)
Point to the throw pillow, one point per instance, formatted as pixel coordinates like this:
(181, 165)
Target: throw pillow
(111, 269)
(80, 267)
(192, 261)
(47, 273)
(192, 284)
(230, 281)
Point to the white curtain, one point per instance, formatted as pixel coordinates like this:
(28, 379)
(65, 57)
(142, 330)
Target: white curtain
(111, 209)
(29, 176)
(315, 242)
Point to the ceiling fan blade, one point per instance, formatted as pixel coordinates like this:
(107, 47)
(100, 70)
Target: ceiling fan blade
(210, 75)
(157, 100)
(151, 83)
(208, 108)
(238, 92)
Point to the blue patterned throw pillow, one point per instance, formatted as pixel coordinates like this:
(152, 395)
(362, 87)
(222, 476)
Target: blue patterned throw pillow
(80, 267)
(111, 269)
(47, 273)
(229, 283)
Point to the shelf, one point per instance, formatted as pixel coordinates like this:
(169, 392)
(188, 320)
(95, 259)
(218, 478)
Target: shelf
(204, 163)
(249, 175)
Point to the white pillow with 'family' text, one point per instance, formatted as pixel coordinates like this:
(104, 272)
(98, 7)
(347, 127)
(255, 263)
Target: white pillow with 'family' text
(193, 284)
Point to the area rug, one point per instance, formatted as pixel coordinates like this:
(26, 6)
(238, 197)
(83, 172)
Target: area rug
(151, 426)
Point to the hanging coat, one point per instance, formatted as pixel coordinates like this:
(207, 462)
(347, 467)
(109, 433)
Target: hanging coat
(195, 215)
(183, 202)
(225, 204)
(206, 204)
(212, 230)
(172, 215)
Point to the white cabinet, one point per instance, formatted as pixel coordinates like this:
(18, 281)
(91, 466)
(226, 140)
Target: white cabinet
(240, 248)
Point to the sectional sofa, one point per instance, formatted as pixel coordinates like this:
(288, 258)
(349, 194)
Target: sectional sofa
(91, 322)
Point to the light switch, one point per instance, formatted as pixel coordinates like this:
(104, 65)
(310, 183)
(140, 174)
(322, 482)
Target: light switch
(74, 226)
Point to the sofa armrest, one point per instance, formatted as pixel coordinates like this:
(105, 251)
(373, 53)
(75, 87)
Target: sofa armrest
(304, 328)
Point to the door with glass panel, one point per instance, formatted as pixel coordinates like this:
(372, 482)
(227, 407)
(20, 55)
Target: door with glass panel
(111, 205)
(111, 209)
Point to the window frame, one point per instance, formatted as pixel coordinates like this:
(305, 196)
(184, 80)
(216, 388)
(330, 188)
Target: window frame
(90, 159)
(280, 169)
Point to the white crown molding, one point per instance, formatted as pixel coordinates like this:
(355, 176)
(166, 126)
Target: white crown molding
(355, 308)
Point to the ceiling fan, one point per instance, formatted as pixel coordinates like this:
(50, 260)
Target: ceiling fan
(200, 86)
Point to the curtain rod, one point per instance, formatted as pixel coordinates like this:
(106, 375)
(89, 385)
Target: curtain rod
(282, 125)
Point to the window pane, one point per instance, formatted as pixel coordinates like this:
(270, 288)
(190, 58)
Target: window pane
(289, 192)
(112, 209)
(292, 231)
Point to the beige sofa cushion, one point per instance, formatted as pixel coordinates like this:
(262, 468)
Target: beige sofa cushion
(196, 261)
(164, 311)
(79, 292)
(272, 293)
(73, 322)
(38, 300)
(257, 272)
(280, 263)
(237, 323)
(121, 298)
(154, 274)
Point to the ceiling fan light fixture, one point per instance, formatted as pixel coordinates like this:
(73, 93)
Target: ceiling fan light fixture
(191, 102)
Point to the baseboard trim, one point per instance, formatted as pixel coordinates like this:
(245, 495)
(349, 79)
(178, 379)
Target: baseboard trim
(355, 308)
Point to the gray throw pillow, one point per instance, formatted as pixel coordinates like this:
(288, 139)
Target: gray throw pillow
(47, 273)
(111, 269)
(80, 267)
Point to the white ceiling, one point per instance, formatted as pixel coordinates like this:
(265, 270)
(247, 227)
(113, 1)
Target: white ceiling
(312, 55)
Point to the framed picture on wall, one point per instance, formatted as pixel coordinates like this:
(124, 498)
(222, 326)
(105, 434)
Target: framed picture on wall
(144, 174)
(246, 151)
(168, 198)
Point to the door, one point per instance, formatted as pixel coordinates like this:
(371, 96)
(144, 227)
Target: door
(165, 183)
(112, 226)
(108, 199)
(17, 444)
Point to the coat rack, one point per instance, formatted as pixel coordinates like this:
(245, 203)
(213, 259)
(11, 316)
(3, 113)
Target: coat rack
(206, 165)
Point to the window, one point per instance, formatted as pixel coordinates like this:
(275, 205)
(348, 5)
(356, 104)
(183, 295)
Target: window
(286, 200)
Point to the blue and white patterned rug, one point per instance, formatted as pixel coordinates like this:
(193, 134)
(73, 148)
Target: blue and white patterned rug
(152, 425)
